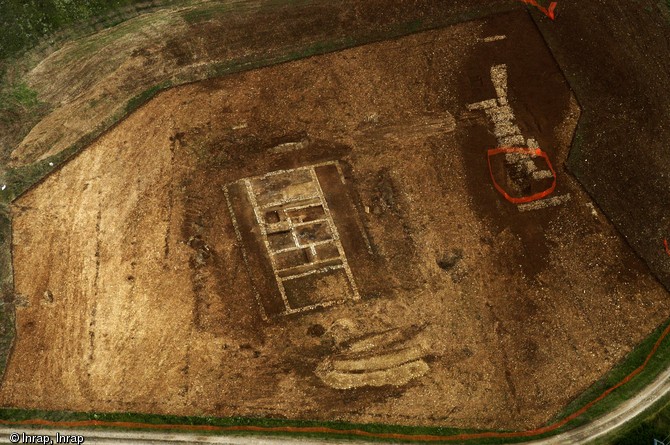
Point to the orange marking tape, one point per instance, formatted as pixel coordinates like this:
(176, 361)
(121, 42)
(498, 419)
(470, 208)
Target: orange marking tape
(352, 432)
(523, 199)
(549, 12)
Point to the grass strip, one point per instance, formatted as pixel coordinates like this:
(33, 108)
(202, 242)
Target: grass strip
(654, 423)
(655, 365)
(7, 330)
(25, 24)
(242, 426)
(144, 97)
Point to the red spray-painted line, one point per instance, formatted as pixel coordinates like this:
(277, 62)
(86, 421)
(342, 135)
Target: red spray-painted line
(352, 432)
(549, 12)
(667, 248)
(529, 151)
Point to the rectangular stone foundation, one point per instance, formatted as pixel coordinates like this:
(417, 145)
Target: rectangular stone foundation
(287, 222)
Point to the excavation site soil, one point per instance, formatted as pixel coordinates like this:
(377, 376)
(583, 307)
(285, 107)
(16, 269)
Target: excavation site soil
(332, 239)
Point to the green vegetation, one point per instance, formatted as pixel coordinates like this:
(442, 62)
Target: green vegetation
(6, 288)
(653, 424)
(208, 12)
(631, 362)
(656, 426)
(20, 110)
(22, 178)
(18, 415)
(144, 97)
(25, 22)
(19, 95)
(17, 102)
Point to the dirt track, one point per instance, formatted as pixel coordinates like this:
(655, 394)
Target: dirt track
(595, 430)
(113, 260)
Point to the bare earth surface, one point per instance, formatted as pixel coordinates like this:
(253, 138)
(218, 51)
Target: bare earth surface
(620, 72)
(87, 82)
(135, 294)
